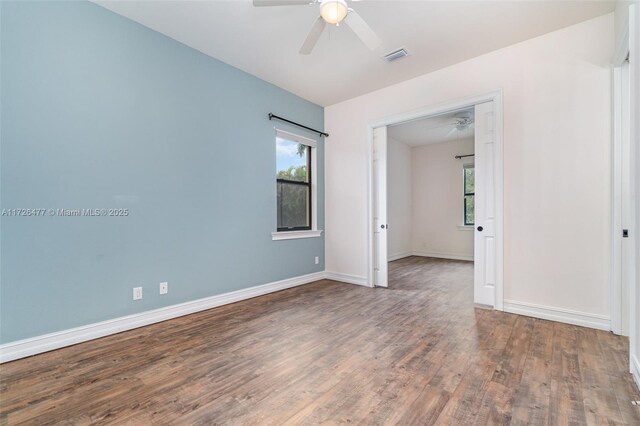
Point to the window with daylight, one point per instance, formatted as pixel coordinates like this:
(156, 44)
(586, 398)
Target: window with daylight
(469, 194)
(294, 163)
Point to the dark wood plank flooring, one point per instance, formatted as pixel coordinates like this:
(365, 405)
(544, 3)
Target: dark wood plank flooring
(416, 353)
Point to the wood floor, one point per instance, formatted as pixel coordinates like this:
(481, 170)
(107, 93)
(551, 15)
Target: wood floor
(416, 353)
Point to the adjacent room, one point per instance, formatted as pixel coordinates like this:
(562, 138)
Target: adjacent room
(431, 193)
(266, 212)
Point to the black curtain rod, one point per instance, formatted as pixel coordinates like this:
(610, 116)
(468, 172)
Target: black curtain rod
(462, 156)
(272, 116)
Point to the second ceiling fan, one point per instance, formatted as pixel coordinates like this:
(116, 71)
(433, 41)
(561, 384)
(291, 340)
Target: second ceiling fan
(331, 12)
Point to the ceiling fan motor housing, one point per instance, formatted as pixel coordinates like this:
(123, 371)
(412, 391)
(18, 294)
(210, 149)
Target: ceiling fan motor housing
(464, 120)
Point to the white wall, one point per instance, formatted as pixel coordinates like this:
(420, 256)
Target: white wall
(438, 200)
(556, 154)
(399, 188)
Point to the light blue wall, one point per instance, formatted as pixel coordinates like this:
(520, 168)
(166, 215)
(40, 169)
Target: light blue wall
(101, 112)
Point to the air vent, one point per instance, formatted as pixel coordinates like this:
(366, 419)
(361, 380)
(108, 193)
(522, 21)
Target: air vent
(395, 55)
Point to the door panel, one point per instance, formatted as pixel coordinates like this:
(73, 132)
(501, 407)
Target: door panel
(380, 266)
(484, 238)
(628, 202)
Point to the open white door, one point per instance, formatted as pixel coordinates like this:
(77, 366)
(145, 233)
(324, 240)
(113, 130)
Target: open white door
(628, 267)
(380, 267)
(485, 216)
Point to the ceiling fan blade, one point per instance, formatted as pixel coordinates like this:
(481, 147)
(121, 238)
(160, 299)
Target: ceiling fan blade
(442, 125)
(313, 36)
(261, 3)
(362, 30)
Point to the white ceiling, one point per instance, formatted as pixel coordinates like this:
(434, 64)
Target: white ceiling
(265, 41)
(436, 129)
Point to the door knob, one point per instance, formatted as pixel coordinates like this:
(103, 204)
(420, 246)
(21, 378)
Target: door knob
(381, 226)
(480, 228)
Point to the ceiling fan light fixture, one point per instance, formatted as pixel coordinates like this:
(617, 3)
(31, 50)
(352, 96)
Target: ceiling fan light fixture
(333, 11)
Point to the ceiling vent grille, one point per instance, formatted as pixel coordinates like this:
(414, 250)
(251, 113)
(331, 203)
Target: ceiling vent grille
(395, 55)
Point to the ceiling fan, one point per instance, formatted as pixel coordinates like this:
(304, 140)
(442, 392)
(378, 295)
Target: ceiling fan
(463, 121)
(331, 12)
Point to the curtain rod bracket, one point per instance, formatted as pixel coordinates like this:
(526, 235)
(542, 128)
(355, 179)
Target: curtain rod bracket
(272, 116)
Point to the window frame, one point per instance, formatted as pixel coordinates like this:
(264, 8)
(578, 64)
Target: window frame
(307, 184)
(312, 229)
(466, 194)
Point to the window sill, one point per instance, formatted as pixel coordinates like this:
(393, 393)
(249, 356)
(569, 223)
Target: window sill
(293, 235)
(465, 227)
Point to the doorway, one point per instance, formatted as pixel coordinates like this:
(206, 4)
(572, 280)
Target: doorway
(487, 197)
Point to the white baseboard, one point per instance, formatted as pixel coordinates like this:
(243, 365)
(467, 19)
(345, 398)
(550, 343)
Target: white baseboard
(635, 370)
(47, 342)
(346, 278)
(398, 256)
(599, 322)
(452, 256)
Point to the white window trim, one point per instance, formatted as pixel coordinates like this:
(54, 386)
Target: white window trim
(294, 235)
(314, 232)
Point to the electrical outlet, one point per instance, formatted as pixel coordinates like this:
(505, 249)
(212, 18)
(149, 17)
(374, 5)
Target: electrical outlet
(317, 260)
(164, 288)
(137, 293)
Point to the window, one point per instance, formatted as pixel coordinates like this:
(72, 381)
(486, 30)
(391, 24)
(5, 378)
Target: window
(469, 193)
(295, 163)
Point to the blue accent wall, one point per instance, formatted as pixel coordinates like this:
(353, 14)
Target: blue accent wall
(99, 112)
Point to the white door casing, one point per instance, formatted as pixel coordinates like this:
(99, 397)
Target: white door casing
(380, 266)
(484, 250)
(495, 98)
